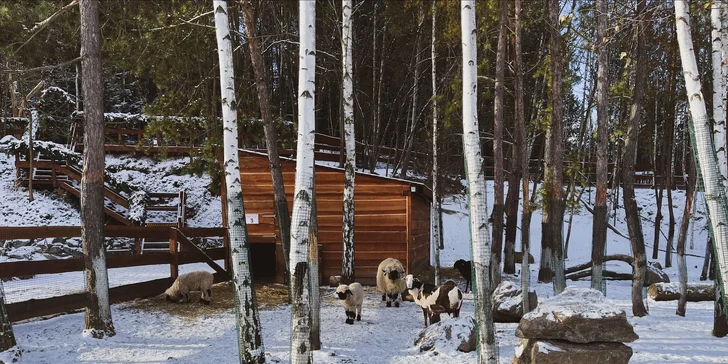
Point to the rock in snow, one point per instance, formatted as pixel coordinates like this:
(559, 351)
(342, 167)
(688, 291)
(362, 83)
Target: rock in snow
(578, 315)
(457, 334)
(564, 352)
(507, 302)
(655, 274)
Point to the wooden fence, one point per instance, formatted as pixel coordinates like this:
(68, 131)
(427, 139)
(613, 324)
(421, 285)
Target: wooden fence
(181, 251)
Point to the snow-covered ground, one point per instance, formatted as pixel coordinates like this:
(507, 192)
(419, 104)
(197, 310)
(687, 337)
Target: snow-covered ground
(385, 335)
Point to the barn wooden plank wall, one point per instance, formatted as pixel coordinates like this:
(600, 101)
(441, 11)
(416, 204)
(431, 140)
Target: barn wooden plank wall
(390, 220)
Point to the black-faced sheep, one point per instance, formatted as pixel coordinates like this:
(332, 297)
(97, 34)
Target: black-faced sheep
(435, 300)
(192, 281)
(464, 267)
(390, 280)
(352, 297)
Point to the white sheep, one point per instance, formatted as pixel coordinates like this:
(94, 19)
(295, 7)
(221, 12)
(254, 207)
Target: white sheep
(435, 300)
(390, 282)
(352, 297)
(192, 281)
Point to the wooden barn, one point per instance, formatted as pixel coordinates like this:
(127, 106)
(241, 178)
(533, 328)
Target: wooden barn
(392, 219)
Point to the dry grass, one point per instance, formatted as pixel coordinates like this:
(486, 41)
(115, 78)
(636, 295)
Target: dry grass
(268, 295)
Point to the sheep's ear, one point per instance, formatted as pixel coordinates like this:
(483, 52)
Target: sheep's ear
(348, 292)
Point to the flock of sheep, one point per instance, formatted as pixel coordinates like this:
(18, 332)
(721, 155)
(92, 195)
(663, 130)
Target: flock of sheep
(391, 283)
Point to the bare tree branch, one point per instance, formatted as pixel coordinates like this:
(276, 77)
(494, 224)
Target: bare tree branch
(42, 24)
(43, 68)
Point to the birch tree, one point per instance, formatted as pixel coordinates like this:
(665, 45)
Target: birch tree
(436, 207)
(682, 237)
(98, 322)
(303, 192)
(7, 337)
(715, 195)
(477, 204)
(250, 341)
(347, 250)
(634, 224)
(524, 154)
(599, 227)
(271, 138)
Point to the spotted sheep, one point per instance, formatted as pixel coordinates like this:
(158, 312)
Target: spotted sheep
(434, 300)
(352, 297)
(390, 280)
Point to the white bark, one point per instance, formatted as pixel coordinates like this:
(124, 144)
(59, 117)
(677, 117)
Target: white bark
(479, 234)
(724, 57)
(347, 251)
(719, 132)
(436, 208)
(250, 342)
(303, 192)
(715, 197)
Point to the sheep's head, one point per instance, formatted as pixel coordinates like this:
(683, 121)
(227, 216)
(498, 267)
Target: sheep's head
(343, 291)
(172, 296)
(461, 265)
(413, 282)
(393, 274)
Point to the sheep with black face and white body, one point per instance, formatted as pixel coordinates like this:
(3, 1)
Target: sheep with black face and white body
(186, 283)
(352, 297)
(390, 280)
(434, 300)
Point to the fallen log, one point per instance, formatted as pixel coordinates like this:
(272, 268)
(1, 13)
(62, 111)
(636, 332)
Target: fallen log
(621, 257)
(697, 291)
(605, 273)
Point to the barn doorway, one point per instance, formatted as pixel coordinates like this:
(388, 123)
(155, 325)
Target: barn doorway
(263, 262)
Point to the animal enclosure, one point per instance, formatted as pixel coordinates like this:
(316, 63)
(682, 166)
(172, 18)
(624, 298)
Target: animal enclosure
(392, 217)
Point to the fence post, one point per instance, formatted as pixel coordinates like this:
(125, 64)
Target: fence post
(173, 257)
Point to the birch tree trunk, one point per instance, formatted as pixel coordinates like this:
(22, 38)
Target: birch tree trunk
(715, 196)
(724, 57)
(271, 135)
(599, 227)
(250, 341)
(410, 138)
(303, 192)
(524, 154)
(556, 156)
(719, 132)
(347, 250)
(498, 103)
(634, 224)
(684, 224)
(7, 337)
(436, 207)
(477, 204)
(98, 322)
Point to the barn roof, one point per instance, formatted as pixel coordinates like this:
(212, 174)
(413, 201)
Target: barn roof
(417, 187)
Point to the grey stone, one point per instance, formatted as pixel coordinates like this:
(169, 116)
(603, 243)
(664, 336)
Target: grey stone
(655, 274)
(578, 315)
(508, 304)
(563, 352)
(456, 334)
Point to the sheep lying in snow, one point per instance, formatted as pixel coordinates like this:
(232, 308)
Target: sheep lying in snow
(352, 297)
(193, 281)
(390, 280)
(464, 267)
(435, 300)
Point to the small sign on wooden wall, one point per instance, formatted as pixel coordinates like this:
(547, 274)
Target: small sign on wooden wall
(251, 219)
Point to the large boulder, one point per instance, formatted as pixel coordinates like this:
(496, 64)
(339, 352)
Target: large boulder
(655, 274)
(564, 352)
(508, 304)
(457, 334)
(578, 315)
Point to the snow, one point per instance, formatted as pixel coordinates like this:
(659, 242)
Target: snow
(545, 347)
(574, 301)
(385, 335)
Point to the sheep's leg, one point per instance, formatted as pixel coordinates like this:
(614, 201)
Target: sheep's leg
(388, 298)
(434, 318)
(393, 297)
(384, 297)
(358, 312)
(424, 313)
(349, 317)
